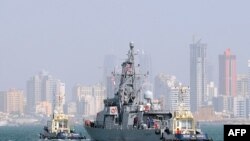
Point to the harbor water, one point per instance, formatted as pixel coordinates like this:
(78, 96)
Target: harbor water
(31, 132)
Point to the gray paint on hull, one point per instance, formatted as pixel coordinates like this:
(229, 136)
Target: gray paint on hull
(100, 134)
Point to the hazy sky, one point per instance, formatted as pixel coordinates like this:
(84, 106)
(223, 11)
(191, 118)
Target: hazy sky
(69, 38)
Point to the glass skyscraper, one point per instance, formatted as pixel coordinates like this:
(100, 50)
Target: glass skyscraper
(198, 83)
(227, 74)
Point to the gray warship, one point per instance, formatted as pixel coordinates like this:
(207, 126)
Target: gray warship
(126, 118)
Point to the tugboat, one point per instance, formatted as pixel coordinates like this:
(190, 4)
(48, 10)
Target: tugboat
(58, 127)
(183, 127)
(125, 117)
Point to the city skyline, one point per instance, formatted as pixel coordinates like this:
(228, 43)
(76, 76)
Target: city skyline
(70, 39)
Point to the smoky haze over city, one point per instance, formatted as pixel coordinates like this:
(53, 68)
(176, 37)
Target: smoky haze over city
(70, 39)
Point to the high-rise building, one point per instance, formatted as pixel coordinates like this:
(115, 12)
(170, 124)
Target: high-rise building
(210, 72)
(224, 104)
(240, 107)
(249, 78)
(211, 92)
(248, 107)
(110, 67)
(227, 74)
(168, 89)
(15, 101)
(3, 101)
(44, 108)
(43, 87)
(71, 108)
(86, 103)
(33, 93)
(218, 103)
(198, 80)
(90, 99)
(48, 87)
(242, 85)
(99, 93)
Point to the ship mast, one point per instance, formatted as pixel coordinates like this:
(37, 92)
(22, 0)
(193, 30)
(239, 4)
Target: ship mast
(58, 106)
(182, 91)
(126, 92)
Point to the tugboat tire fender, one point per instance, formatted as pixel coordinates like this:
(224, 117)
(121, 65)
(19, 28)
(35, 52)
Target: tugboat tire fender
(157, 131)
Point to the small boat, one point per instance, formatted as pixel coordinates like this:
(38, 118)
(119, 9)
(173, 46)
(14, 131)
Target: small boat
(3, 122)
(59, 128)
(182, 126)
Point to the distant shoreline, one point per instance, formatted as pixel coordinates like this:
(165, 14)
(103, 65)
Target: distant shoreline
(225, 121)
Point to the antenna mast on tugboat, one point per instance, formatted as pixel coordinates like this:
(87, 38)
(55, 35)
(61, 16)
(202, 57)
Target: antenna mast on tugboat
(182, 91)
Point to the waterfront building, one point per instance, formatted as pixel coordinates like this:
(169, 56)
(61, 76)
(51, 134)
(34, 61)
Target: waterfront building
(12, 101)
(224, 104)
(3, 95)
(44, 108)
(240, 107)
(167, 89)
(90, 99)
(242, 85)
(211, 92)
(44, 87)
(248, 77)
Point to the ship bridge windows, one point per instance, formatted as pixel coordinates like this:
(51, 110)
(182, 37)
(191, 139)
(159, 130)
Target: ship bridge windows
(63, 124)
(160, 117)
(185, 124)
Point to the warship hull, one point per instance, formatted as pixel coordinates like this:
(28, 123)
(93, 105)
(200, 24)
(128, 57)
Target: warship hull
(101, 134)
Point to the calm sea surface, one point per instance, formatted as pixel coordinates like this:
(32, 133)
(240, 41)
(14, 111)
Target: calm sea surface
(31, 133)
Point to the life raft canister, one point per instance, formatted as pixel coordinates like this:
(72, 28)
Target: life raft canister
(113, 110)
(146, 107)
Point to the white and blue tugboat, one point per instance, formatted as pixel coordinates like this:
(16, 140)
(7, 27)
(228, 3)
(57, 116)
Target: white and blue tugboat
(59, 127)
(183, 127)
